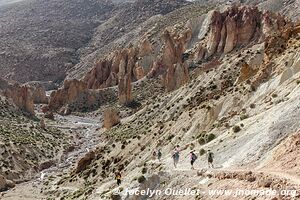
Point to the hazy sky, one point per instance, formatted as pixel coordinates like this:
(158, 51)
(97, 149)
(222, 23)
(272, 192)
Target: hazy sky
(4, 2)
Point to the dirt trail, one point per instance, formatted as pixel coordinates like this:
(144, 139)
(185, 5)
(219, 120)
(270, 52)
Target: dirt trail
(184, 166)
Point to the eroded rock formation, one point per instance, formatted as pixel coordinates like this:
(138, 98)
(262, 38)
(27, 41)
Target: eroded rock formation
(70, 91)
(132, 61)
(84, 162)
(237, 27)
(171, 63)
(38, 92)
(222, 33)
(111, 118)
(75, 96)
(21, 96)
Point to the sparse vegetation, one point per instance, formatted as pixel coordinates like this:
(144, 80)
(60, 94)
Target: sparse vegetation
(236, 128)
(202, 152)
(141, 179)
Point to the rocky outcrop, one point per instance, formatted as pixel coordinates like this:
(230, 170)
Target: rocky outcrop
(21, 96)
(236, 27)
(24, 96)
(121, 68)
(38, 92)
(84, 162)
(124, 88)
(75, 96)
(70, 91)
(115, 66)
(111, 118)
(274, 45)
(171, 63)
(232, 28)
(245, 73)
(5, 184)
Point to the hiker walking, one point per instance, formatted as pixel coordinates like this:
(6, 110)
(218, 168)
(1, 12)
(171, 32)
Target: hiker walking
(154, 154)
(175, 156)
(118, 177)
(210, 159)
(193, 157)
(159, 154)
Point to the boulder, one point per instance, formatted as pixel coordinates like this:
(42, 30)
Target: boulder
(46, 165)
(49, 115)
(111, 118)
(10, 184)
(5, 184)
(84, 162)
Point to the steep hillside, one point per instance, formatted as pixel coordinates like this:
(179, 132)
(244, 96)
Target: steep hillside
(39, 39)
(42, 40)
(24, 145)
(240, 99)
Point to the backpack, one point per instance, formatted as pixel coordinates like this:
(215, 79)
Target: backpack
(194, 157)
(118, 176)
(159, 154)
(176, 155)
(210, 156)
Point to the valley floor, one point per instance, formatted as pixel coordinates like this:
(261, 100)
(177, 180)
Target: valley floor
(86, 138)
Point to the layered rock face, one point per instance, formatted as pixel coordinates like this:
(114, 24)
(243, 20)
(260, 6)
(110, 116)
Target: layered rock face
(20, 95)
(172, 59)
(67, 94)
(115, 66)
(237, 27)
(221, 33)
(74, 95)
(24, 96)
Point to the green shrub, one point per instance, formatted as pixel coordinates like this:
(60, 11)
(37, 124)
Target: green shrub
(141, 179)
(244, 116)
(201, 141)
(170, 137)
(144, 170)
(202, 152)
(210, 137)
(236, 128)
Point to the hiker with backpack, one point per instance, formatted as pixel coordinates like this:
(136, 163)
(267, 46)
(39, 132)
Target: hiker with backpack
(118, 177)
(193, 158)
(210, 159)
(175, 156)
(154, 154)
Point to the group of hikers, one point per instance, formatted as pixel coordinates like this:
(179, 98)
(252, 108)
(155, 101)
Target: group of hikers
(175, 156)
(192, 157)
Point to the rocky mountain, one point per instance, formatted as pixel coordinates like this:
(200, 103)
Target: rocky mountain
(64, 32)
(40, 39)
(154, 75)
(67, 41)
